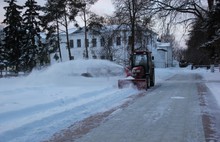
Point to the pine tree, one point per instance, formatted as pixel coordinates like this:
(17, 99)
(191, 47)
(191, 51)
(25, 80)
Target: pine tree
(56, 13)
(33, 45)
(213, 31)
(13, 35)
(64, 7)
(53, 13)
(49, 43)
(2, 63)
(214, 21)
(62, 12)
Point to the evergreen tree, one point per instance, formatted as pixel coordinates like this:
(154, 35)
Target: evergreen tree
(49, 43)
(2, 64)
(62, 12)
(69, 10)
(204, 38)
(13, 34)
(53, 13)
(213, 30)
(32, 42)
(194, 53)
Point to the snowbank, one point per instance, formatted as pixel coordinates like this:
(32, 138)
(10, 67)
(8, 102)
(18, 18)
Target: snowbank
(96, 68)
(212, 82)
(62, 72)
(33, 108)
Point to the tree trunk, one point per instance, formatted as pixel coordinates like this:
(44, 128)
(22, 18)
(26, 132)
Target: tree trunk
(67, 38)
(210, 4)
(85, 40)
(133, 27)
(58, 39)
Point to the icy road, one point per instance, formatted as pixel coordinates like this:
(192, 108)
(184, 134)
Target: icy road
(173, 111)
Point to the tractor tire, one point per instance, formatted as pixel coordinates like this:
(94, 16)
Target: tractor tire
(152, 79)
(148, 82)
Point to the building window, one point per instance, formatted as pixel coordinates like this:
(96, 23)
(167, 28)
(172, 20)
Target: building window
(94, 42)
(87, 42)
(129, 40)
(102, 57)
(102, 41)
(110, 43)
(71, 43)
(78, 42)
(118, 41)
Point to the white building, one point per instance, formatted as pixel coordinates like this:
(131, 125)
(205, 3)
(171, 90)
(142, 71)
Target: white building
(163, 55)
(112, 42)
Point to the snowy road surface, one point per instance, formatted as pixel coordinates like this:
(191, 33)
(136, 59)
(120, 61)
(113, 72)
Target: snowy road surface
(169, 113)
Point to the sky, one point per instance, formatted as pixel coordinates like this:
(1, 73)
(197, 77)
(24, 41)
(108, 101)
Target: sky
(102, 7)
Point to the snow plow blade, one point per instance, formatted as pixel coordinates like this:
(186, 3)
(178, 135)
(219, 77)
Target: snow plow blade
(138, 83)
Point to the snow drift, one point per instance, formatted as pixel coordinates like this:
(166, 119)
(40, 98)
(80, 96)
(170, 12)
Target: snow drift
(34, 107)
(75, 68)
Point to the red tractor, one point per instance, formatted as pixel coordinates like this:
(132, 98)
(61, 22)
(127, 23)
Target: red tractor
(141, 72)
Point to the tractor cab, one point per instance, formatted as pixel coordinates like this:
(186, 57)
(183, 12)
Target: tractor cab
(140, 62)
(142, 70)
(139, 59)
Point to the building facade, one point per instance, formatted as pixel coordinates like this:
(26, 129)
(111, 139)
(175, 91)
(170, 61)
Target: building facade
(109, 42)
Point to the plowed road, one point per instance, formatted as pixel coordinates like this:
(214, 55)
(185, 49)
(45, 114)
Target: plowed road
(176, 110)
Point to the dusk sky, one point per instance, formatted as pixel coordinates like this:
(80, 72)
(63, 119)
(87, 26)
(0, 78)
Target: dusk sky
(102, 7)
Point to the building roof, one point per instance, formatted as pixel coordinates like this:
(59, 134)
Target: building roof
(71, 30)
(163, 44)
(108, 28)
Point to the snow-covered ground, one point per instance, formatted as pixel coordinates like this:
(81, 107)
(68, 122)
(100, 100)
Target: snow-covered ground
(34, 107)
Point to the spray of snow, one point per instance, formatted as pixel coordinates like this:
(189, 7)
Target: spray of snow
(45, 100)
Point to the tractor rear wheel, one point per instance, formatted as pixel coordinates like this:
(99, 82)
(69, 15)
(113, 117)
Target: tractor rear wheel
(152, 79)
(148, 80)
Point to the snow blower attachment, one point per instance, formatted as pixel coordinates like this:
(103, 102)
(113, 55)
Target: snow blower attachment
(141, 72)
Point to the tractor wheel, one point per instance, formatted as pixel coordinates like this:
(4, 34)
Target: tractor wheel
(152, 80)
(148, 82)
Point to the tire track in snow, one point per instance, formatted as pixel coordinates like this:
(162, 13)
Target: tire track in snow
(8, 116)
(60, 116)
(37, 112)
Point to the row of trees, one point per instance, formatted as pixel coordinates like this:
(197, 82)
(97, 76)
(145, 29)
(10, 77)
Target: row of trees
(203, 25)
(32, 31)
(201, 22)
(204, 38)
(23, 46)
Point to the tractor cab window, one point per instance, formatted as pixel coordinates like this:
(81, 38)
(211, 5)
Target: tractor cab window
(140, 60)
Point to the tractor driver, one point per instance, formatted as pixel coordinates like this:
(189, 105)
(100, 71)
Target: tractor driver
(142, 60)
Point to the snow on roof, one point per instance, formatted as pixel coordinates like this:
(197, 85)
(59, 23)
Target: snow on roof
(163, 44)
(117, 27)
(43, 35)
(162, 49)
(112, 28)
(71, 30)
(125, 27)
